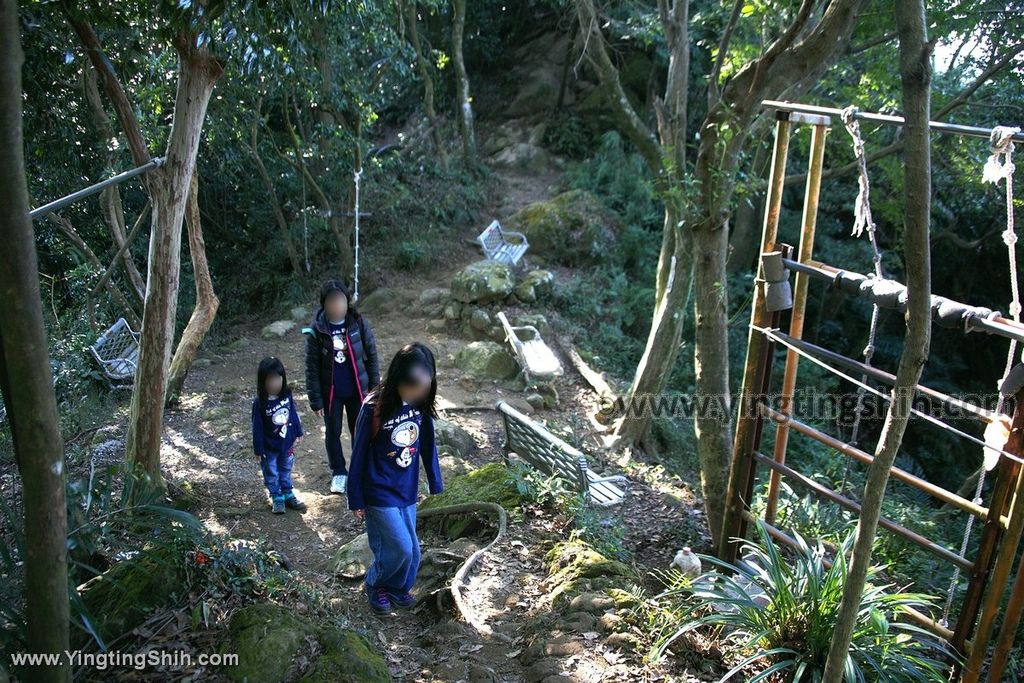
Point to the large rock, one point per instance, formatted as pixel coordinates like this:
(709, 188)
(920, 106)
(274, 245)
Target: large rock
(270, 641)
(483, 282)
(572, 229)
(492, 483)
(278, 329)
(523, 155)
(486, 360)
(536, 284)
(353, 559)
(450, 435)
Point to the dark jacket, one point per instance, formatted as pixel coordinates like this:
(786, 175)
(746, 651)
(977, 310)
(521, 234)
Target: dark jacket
(362, 347)
(373, 476)
(266, 433)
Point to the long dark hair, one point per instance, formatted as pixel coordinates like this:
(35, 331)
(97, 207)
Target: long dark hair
(271, 366)
(386, 398)
(330, 287)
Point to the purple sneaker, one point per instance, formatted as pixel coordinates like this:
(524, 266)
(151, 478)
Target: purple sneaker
(379, 601)
(403, 600)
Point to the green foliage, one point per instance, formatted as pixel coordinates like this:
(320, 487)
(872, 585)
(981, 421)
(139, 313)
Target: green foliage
(779, 611)
(568, 135)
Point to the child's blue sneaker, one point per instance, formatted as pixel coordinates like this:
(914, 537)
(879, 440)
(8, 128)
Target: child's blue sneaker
(404, 600)
(278, 505)
(292, 502)
(379, 601)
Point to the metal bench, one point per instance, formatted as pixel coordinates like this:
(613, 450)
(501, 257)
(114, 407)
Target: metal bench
(534, 356)
(498, 247)
(544, 451)
(117, 352)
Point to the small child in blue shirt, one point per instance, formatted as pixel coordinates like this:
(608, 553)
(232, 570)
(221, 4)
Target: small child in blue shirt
(276, 429)
(394, 433)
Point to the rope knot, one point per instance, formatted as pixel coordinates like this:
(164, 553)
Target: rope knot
(1000, 162)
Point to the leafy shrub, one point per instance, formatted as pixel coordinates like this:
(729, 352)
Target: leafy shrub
(782, 610)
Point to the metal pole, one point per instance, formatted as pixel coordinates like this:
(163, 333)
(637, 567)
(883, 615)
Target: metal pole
(796, 321)
(93, 189)
(940, 126)
(748, 418)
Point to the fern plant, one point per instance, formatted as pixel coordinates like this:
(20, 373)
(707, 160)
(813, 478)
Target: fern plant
(781, 610)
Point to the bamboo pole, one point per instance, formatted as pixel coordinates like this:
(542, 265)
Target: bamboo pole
(796, 322)
(748, 418)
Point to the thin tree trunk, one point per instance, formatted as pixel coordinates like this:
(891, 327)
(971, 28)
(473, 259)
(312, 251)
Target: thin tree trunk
(423, 66)
(27, 383)
(198, 71)
(110, 198)
(663, 340)
(68, 230)
(275, 203)
(915, 74)
(206, 300)
(712, 414)
(462, 85)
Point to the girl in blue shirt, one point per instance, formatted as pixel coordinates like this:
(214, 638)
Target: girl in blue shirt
(276, 429)
(394, 433)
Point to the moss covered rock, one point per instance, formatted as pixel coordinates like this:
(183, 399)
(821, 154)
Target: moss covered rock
(535, 285)
(486, 360)
(267, 637)
(574, 568)
(492, 483)
(572, 229)
(483, 282)
(346, 657)
(125, 595)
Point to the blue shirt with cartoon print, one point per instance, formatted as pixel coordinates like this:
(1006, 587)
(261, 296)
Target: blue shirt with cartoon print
(384, 469)
(275, 424)
(344, 377)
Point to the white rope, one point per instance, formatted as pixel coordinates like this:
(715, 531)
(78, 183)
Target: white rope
(305, 224)
(863, 221)
(773, 335)
(998, 166)
(355, 291)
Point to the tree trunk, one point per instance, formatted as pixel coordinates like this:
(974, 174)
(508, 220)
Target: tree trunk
(26, 381)
(80, 245)
(663, 340)
(206, 300)
(275, 203)
(462, 85)
(423, 66)
(712, 416)
(198, 71)
(915, 74)
(113, 212)
(110, 198)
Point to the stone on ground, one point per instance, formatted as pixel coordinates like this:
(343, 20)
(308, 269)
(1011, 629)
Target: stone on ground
(354, 558)
(278, 329)
(535, 285)
(486, 360)
(269, 639)
(483, 282)
(573, 229)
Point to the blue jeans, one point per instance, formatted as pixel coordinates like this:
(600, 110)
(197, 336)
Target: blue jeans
(277, 473)
(391, 532)
(332, 431)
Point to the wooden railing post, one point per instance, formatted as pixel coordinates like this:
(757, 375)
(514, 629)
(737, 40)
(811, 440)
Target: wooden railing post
(796, 321)
(748, 418)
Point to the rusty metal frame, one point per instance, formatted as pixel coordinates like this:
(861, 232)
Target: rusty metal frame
(989, 571)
